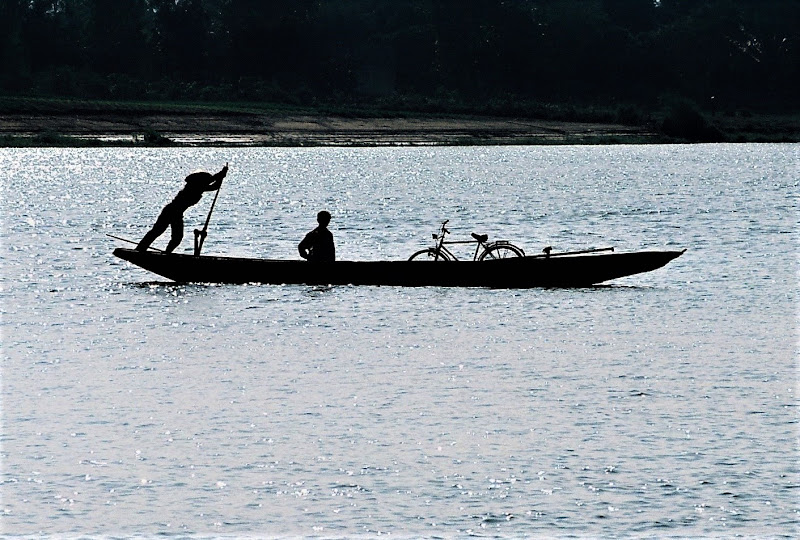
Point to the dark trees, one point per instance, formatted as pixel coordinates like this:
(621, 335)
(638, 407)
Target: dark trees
(717, 53)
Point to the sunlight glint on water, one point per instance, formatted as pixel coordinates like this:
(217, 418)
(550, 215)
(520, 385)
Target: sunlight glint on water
(664, 404)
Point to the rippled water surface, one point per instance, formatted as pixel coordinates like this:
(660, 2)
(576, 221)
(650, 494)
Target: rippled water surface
(664, 404)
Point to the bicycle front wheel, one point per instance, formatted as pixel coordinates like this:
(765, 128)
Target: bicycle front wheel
(428, 255)
(501, 251)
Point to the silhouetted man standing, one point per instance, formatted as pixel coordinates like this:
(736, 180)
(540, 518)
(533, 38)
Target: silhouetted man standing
(172, 214)
(318, 246)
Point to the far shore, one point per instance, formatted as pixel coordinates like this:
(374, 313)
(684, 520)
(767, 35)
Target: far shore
(302, 130)
(43, 122)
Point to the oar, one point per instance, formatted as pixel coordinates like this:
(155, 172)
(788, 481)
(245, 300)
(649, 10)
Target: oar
(547, 253)
(132, 242)
(201, 235)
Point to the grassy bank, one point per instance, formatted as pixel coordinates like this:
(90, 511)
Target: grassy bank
(54, 122)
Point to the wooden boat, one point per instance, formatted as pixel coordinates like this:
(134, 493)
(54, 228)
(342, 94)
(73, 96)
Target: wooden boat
(579, 269)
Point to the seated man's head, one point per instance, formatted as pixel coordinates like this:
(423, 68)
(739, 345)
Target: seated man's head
(323, 218)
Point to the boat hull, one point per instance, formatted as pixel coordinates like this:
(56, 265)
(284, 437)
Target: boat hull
(518, 272)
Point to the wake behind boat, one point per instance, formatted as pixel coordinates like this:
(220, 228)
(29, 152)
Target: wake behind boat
(581, 269)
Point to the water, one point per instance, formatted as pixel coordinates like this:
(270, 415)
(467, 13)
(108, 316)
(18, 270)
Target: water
(662, 405)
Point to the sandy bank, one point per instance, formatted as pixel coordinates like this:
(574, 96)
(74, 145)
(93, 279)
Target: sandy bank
(299, 130)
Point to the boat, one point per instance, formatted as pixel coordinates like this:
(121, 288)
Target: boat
(569, 269)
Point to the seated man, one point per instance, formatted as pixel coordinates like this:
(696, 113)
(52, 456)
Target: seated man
(318, 246)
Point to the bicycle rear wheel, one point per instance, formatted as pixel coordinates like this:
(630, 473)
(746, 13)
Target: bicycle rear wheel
(428, 255)
(500, 250)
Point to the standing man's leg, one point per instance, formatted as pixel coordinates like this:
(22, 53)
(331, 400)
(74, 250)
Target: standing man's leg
(177, 233)
(158, 229)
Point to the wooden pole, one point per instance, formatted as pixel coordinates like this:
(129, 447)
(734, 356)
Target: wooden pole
(548, 254)
(200, 236)
(132, 242)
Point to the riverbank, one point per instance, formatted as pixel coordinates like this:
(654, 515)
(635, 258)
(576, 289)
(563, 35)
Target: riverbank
(49, 122)
(303, 130)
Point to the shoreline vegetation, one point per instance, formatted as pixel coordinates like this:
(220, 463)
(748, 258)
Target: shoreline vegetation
(399, 72)
(57, 122)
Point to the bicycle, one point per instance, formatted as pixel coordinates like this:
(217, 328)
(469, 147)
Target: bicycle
(499, 249)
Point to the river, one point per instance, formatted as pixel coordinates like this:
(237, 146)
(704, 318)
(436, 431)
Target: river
(663, 404)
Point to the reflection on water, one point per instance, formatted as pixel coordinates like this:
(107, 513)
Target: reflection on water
(662, 404)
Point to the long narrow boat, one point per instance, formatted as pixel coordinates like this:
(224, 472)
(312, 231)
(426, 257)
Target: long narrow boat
(579, 270)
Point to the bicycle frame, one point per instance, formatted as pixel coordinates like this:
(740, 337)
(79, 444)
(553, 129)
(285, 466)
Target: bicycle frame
(498, 249)
(440, 245)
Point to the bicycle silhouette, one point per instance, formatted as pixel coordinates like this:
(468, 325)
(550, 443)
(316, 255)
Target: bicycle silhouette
(499, 249)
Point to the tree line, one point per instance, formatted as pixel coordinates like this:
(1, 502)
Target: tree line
(412, 54)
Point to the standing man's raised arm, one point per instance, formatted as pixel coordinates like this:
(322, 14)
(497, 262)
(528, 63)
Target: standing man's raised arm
(216, 180)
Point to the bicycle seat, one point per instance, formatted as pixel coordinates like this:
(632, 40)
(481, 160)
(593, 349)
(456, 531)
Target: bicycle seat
(480, 237)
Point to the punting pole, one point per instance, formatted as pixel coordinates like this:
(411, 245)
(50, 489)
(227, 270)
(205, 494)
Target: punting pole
(200, 236)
